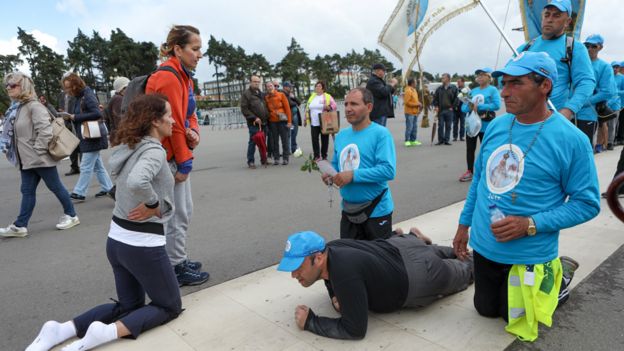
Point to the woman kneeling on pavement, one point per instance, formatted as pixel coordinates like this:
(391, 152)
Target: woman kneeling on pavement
(136, 240)
(25, 137)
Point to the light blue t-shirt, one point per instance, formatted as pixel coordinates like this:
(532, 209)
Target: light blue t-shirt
(370, 154)
(604, 91)
(492, 102)
(556, 184)
(619, 82)
(614, 103)
(583, 81)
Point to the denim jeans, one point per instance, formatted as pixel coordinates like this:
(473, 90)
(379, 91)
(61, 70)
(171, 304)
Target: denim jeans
(445, 121)
(92, 161)
(381, 120)
(411, 127)
(251, 146)
(30, 181)
(138, 271)
(294, 131)
(459, 125)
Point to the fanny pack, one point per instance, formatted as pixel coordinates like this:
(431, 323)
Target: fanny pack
(360, 212)
(487, 116)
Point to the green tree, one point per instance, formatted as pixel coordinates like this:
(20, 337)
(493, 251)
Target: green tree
(29, 48)
(295, 67)
(80, 57)
(8, 64)
(215, 56)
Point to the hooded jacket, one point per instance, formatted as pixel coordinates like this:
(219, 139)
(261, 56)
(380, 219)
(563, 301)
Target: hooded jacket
(142, 175)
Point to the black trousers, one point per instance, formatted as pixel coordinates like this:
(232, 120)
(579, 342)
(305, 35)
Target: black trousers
(619, 132)
(588, 128)
(316, 132)
(471, 148)
(373, 228)
(490, 298)
(280, 131)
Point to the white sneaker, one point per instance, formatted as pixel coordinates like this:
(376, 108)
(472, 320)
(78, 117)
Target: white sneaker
(67, 222)
(13, 231)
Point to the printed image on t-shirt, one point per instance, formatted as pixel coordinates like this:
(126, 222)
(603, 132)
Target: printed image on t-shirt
(350, 158)
(504, 169)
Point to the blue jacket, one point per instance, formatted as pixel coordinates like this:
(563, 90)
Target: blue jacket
(86, 108)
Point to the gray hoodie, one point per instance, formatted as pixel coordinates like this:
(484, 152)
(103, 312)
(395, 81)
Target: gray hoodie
(142, 175)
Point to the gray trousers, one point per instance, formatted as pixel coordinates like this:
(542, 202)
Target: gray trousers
(433, 271)
(177, 226)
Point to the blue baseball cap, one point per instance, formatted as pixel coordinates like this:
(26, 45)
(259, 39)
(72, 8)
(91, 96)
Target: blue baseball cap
(527, 62)
(483, 70)
(298, 247)
(595, 39)
(616, 64)
(561, 5)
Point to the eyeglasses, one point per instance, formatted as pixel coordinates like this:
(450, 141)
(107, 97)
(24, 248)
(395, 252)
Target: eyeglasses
(591, 46)
(11, 85)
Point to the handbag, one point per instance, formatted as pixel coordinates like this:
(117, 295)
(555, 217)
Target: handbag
(605, 113)
(487, 116)
(63, 141)
(359, 213)
(330, 122)
(282, 117)
(93, 129)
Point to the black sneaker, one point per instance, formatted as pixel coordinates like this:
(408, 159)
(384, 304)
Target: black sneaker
(194, 265)
(72, 172)
(77, 198)
(187, 276)
(101, 194)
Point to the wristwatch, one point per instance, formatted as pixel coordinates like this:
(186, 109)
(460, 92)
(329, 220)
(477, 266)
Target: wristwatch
(531, 230)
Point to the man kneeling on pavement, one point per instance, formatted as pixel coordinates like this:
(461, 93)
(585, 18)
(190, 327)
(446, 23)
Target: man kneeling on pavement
(380, 275)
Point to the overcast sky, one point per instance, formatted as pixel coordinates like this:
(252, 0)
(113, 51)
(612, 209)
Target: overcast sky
(321, 27)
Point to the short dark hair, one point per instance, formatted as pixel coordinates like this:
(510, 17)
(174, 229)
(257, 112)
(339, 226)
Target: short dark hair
(539, 79)
(367, 96)
(322, 84)
(410, 81)
(446, 74)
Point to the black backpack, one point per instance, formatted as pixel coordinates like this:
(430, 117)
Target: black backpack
(137, 86)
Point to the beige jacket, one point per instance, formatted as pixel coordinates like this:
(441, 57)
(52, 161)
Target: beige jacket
(32, 133)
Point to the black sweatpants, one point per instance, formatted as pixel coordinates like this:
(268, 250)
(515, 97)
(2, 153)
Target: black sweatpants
(137, 270)
(373, 228)
(316, 132)
(471, 148)
(588, 128)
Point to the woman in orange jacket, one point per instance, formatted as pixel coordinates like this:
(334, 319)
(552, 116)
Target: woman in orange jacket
(280, 121)
(181, 52)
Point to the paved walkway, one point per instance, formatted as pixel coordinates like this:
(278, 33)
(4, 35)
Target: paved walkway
(255, 311)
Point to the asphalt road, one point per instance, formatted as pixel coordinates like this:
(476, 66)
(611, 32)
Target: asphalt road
(240, 222)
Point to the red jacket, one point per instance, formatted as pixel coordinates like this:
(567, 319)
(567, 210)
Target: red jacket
(166, 83)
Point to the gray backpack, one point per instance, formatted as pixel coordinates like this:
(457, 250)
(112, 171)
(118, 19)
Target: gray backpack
(137, 86)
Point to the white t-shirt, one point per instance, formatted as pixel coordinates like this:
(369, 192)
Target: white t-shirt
(316, 107)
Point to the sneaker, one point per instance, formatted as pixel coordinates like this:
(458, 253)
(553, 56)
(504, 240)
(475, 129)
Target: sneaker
(285, 162)
(598, 149)
(102, 193)
(298, 153)
(447, 143)
(569, 266)
(72, 172)
(13, 231)
(251, 165)
(276, 162)
(77, 198)
(466, 177)
(416, 143)
(67, 221)
(187, 276)
(454, 139)
(609, 146)
(112, 192)
(194, 265)
(408, 143)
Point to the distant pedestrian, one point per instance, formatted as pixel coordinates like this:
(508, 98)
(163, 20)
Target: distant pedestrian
(412, 108)
(382, 93)
(113, 110)
(459, 119)
(256, 114)
(320, 101)
(280, 121)
(296, 118)
(24, 140)
(445, 99)
(84, 109)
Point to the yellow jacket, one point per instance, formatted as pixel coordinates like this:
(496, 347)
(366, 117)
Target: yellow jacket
(410, 101)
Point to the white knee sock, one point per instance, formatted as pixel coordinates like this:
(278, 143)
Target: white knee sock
(97, 334)
(52, 333)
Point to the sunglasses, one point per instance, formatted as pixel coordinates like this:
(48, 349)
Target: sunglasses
(11, 85)
(591, 46)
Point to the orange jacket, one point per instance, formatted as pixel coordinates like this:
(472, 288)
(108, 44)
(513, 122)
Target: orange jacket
(277, 102)
(166, 83)
(410, 101)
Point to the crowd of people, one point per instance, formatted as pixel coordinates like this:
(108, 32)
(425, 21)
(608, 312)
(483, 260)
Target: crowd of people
(533, 176)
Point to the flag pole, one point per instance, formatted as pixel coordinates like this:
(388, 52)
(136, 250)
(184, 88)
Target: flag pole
(500, 30)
